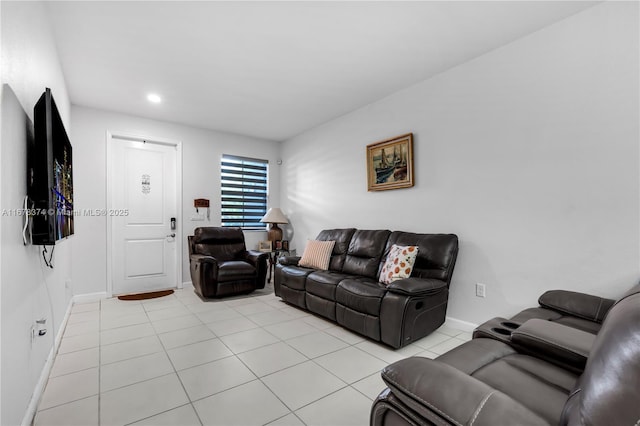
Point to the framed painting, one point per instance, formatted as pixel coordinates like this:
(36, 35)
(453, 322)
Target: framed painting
(390, 163)
(265, 246)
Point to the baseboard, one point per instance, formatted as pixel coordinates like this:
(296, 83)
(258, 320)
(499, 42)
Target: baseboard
(48, 365)
(90, 297)
(187, 284)
(460, 325)
(46, 370)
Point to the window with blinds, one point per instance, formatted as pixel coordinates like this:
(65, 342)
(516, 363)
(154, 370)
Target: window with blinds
(244, 191)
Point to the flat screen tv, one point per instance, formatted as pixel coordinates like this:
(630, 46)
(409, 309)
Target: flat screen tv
(49, 175)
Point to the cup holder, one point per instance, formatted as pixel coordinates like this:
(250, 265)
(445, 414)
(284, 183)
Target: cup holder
(509, 324)
(502, 331)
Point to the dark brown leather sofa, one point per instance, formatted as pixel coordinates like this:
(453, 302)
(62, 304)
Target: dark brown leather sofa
(544, 373)
(221, 265)
(350, 294)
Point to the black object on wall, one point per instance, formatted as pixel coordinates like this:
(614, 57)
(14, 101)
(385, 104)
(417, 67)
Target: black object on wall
(49, 175)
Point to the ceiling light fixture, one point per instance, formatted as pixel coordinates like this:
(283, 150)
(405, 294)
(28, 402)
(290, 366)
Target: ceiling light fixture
(152, 97)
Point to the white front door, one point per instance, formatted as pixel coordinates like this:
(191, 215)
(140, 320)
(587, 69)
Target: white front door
(143, 203)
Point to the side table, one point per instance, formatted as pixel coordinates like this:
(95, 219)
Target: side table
(273, 259)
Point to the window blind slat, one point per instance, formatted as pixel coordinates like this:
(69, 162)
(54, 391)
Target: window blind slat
(247, 168)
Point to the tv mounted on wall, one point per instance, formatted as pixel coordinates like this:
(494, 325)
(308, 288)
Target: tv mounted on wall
(49, 175)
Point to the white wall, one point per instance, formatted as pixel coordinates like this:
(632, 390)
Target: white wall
(528, 153)
(28, 290)
(1, 97)
(201, 152)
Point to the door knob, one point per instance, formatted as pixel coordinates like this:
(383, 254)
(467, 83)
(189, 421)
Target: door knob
(172, 235)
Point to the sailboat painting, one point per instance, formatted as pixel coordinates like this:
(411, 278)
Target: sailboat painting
(390, 163)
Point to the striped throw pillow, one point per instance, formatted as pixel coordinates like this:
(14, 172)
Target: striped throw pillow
(317, 254)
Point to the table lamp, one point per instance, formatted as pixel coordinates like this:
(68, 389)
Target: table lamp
(274, 216)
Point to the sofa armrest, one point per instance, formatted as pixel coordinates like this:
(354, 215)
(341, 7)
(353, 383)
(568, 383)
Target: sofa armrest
(289, 260)
(436, 390)
(580, 305)
(554, 341)
(417, 286)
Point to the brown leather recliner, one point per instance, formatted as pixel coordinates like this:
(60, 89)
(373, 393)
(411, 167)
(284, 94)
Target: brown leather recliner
(221, 265)
(534, 379)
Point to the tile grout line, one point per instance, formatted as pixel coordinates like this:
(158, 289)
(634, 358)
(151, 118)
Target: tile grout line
(179, 303)
(312, 360)
(175, 371)
(291, 411)
(99, 362)
(260, 378)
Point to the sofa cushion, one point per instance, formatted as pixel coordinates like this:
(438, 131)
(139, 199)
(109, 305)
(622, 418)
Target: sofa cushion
(437, 253)
(424, 391)
(324, 283)
(519, 376)
(364, 253)
(317, 254)
(361, 295)
(235, 270)
(399, 263)
(549, 315)
(342, 237)
(294, 277)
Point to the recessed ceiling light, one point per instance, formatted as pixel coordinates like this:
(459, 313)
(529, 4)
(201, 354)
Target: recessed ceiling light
(152, 97)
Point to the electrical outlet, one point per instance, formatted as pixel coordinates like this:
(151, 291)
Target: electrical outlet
(480, 290)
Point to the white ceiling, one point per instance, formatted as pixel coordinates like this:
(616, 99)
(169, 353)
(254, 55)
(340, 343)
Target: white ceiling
(273, 69)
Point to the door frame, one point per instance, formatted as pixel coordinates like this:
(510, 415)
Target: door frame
(109, 194)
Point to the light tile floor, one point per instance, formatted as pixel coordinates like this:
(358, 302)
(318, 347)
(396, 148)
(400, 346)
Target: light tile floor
(250, 360)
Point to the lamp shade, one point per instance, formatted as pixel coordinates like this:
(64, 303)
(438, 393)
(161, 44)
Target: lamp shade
(274, 215)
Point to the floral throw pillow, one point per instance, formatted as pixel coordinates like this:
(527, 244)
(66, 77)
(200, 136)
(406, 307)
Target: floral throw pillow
(399, 263)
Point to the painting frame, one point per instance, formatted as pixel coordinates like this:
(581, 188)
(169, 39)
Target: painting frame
(385, 173)
(265, 246)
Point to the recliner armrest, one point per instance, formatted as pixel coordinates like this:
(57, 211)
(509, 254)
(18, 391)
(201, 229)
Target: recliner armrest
(203, 258)
(417, 286)
(289, 260)
(255, 256)
(436, 390)
(554, 341)
(203, 269)
(580, 305)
